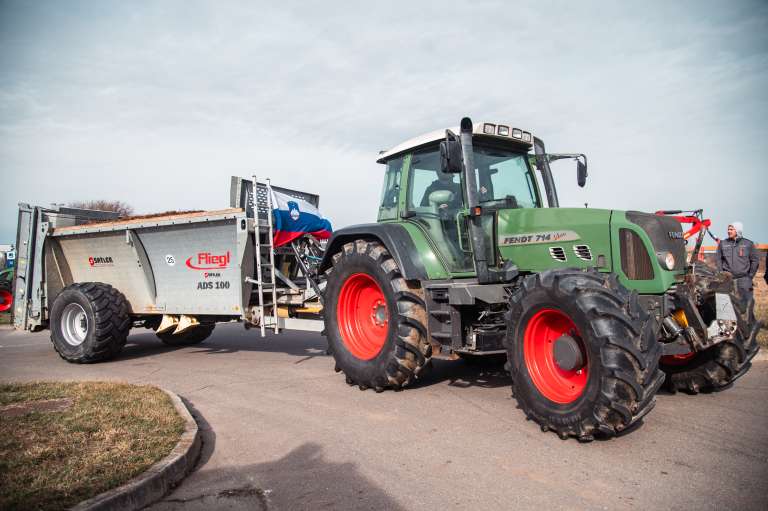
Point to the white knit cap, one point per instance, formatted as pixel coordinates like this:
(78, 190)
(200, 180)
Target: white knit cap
(739, 228)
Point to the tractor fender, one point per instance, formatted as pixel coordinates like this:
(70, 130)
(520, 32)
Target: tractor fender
(395, 238)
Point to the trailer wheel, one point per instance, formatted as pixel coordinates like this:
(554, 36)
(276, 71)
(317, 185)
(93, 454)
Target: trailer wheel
(194, 336)
(89, 322)
(716, 368)
(375, 319)
(582, 353)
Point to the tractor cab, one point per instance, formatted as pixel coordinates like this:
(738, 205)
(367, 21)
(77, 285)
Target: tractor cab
(425, 184)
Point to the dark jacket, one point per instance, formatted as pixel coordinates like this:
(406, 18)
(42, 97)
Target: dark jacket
(738, 257)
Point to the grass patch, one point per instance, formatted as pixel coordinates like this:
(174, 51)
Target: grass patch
(110, 433)
(5, 319)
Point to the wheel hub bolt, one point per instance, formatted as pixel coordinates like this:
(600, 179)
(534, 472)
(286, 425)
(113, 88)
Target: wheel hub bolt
(379, 313)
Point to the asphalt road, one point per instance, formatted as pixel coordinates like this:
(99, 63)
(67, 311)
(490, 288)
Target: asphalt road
(281, 430)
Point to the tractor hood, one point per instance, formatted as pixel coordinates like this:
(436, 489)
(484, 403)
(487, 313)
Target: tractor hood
(634, 245)
(539, 239)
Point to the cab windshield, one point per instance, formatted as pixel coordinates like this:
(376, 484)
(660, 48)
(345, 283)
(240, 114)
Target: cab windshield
(504, 178)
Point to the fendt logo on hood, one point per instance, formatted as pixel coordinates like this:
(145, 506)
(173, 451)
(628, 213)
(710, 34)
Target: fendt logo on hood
(208, 261)
(100, 261)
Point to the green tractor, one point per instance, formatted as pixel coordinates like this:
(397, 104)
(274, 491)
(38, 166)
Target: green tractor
(470, 257)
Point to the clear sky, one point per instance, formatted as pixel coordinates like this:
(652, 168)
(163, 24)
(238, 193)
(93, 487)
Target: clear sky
(158, 103)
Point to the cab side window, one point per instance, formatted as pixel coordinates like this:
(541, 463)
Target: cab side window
(391, 191)
(427, 178)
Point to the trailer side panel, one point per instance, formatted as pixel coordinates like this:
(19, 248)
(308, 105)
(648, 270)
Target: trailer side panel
(196, 267)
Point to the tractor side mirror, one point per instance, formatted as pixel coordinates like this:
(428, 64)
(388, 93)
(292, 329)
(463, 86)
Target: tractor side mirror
(450, 154)
(581, 173)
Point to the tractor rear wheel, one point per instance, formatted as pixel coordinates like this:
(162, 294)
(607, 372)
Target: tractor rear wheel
(582, 353)
(716, 368)
(6, 297)
(375, 320)
(89, 322)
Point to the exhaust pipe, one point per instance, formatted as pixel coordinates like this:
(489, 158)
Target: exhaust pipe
(475, 211)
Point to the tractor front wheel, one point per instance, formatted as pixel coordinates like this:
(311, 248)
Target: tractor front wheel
(375, 319)
(582, 353)
(716, 368)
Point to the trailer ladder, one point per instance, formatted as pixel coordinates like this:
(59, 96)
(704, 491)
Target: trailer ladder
(261, 263)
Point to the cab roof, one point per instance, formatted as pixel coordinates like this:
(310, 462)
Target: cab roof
(484, 130)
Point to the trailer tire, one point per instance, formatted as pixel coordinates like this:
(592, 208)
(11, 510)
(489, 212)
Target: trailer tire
(612, 372)
(194, 336)
(716, 368)
(375, 319)
(89, 322)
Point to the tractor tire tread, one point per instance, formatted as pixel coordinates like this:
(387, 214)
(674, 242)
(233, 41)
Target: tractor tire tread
(716, 368)
(629, 351)
(412, 350)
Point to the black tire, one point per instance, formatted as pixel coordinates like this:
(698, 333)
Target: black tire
(195, 336)
(618, 342)
(406, 349)
(97, 311)
(716, 368)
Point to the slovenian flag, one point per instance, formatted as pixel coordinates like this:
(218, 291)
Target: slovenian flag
(295, 217)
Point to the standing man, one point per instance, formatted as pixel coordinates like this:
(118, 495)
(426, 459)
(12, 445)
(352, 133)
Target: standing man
(765, 275)
(737, 255)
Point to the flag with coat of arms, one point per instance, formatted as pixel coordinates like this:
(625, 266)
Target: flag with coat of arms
(296, 217)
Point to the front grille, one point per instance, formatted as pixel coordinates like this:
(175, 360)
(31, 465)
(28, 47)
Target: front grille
(635, 261)
(557, 253)
(582, 252)
(665, 233)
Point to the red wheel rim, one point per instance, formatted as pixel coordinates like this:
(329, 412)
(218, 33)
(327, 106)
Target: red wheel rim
(555, 383)
(6, 300)
(677, 360)
(363, 316)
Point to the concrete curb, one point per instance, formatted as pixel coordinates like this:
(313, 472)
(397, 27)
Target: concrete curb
(153, 484)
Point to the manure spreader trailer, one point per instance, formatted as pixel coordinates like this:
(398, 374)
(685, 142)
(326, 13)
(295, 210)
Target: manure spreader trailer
(90, 276)
(471, 255)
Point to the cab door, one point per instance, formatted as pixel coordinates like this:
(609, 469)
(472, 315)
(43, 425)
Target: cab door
(435, 202)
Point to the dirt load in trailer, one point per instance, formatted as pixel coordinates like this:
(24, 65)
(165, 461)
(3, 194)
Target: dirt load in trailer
(90, 276)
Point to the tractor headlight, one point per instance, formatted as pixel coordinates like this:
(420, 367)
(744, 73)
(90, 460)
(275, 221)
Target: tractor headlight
(489, 129)
(667, 260)
(503, 130)
(516, 133)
